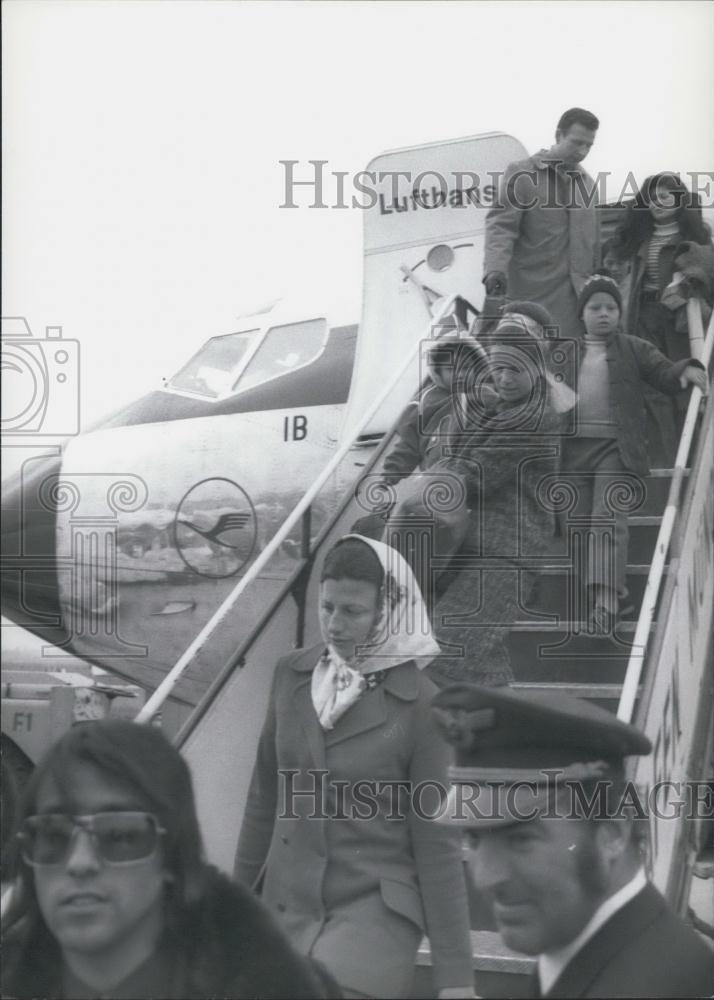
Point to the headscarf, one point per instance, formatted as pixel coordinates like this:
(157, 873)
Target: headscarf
(401, 632)
(560, 396)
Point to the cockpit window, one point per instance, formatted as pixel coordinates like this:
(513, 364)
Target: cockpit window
(227, 366)
(211, 372)
(283, 349)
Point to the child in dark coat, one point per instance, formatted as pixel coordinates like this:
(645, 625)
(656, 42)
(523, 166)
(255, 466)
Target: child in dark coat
(610, 439)
(419, 432)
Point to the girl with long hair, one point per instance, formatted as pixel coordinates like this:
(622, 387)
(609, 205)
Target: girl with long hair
(112, 896)
(663, 215)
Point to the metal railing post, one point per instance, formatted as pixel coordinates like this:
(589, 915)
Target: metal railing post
(664, 538)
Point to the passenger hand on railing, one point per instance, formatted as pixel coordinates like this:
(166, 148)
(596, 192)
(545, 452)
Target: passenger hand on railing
(695, 376)
(495, 282)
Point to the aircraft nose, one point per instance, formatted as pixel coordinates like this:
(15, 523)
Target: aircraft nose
(30, 585)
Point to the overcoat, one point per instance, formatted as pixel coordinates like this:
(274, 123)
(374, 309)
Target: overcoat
(632, 363)
(418, 436)
(507, 464)
(643, 950)
(543, 234)
(695, 263)
(510, 467)
(337, 844)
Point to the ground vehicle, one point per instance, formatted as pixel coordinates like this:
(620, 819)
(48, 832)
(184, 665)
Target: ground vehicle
(40, 701)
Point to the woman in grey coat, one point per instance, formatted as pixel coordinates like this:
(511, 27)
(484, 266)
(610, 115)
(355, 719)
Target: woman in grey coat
(336, 833)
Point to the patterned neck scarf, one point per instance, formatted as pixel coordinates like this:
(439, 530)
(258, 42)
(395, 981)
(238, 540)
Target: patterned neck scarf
(401, 632)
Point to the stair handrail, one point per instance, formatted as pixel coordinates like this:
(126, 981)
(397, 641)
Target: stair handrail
(664, 538)
(164, 689)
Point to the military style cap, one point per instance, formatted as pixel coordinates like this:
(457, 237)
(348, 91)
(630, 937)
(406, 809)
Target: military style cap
(513, 749)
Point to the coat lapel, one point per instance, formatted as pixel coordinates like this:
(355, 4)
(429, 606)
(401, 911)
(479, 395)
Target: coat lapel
(615, 935)
(367, 713)
(372, 709)
(303, 665)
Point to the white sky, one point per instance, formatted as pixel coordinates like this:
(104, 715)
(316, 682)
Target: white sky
(142, 140)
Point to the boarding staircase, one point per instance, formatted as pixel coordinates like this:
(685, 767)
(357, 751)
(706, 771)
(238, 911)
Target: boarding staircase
(655, 670)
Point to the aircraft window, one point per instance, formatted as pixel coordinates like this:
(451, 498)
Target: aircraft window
(283, 350)
(211, 372)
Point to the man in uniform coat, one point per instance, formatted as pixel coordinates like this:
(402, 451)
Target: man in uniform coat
(538, 785)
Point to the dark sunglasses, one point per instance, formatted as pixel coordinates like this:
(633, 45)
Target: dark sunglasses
(118, 838)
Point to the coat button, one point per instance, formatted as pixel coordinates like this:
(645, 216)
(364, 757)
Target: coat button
(281, 907)
(284, 839)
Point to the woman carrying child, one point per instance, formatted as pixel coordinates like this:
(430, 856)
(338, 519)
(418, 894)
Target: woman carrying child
(503, 441)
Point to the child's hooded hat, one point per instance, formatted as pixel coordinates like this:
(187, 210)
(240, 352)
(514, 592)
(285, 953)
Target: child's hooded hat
(598, 283)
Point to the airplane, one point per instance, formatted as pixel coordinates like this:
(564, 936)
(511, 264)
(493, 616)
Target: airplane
(120, 548)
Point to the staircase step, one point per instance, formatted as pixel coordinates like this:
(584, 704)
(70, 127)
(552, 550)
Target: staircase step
(563, 652)
(644, 529)
(499, 971)
(657, 486)
(579, 669)
(656, 491)
(573, 628)
(556, 590)
(603, 692)
(558, 569)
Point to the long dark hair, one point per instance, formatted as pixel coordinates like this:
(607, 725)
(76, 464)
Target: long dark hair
(638, 224)
(142, 758)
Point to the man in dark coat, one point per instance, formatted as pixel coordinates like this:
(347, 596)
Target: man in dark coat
(539, 788)
(542, 234)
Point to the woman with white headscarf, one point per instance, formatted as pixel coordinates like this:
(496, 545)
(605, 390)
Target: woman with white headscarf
(337, 833)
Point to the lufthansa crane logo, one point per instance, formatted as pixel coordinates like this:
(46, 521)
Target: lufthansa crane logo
(215, 528)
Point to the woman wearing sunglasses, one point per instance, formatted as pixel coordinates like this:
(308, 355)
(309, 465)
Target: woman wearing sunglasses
(112, 897)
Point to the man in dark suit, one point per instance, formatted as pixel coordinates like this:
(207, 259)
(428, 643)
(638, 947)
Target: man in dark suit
(538, 786)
